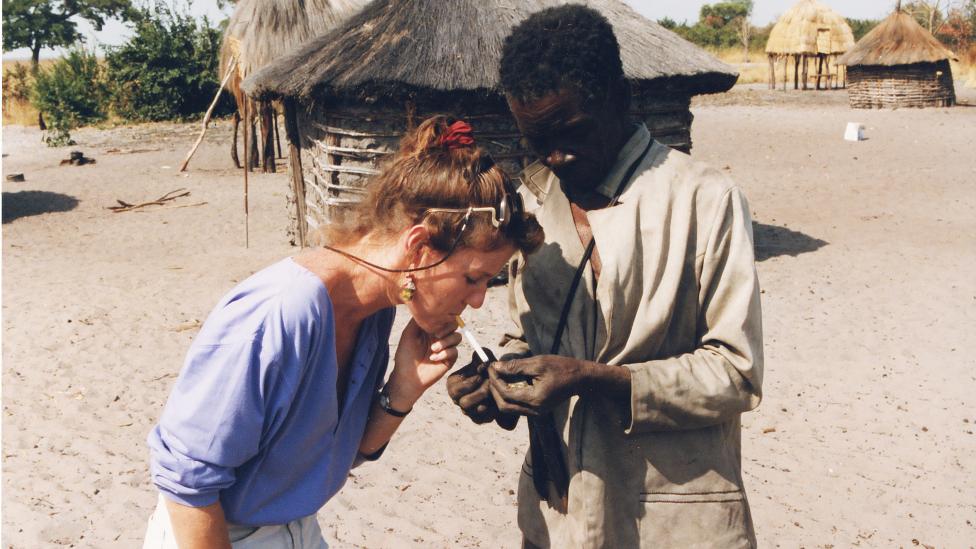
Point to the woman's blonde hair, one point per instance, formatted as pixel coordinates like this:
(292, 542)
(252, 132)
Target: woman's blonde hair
(439, 167)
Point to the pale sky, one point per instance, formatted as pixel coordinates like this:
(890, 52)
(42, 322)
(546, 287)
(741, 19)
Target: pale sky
(765, 11)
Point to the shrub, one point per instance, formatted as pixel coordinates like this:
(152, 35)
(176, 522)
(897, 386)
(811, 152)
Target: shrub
(16, 83)
(72, 92)
(168, 70)
(860, 27)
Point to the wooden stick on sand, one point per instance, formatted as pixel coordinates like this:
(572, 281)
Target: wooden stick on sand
(206, 118)
(126, 207)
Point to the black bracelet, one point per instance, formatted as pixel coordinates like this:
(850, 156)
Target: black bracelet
(384, 402)
(375, 455)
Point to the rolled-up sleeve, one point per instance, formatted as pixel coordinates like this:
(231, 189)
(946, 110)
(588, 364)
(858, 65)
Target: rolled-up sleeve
(213, 421)
(722, 377)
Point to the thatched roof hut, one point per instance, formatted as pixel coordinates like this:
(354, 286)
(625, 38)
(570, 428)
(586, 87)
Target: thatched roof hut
(260, 31)
(899, 64)
(808, 31)
(357, 88)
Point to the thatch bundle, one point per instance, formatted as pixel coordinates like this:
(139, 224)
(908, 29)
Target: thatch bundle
(353, 91)
(900, 64)
(811, 28)
(808, 31)
(260, 31)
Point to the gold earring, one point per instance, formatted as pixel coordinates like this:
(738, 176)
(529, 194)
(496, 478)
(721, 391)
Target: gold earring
(408, 288)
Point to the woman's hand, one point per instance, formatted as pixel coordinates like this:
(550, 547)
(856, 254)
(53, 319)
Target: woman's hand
(420, 360)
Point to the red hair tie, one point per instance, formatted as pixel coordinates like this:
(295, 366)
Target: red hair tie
(458, 135)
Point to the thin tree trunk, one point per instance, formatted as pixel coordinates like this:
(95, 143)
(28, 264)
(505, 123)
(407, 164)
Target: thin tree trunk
(247, 167)
(267, 138)
(260, 136)
(786, 70)
(796, 72)
(277, 137)
(233, 141)
(35, 66)
(745, 37)
(251, 138)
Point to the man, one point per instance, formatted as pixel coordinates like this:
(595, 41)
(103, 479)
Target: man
(634, 412)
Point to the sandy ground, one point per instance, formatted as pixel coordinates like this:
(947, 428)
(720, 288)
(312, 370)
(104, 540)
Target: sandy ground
(867, 259)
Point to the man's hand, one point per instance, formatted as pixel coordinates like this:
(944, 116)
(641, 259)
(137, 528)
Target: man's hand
(469, 389)
(535, 385)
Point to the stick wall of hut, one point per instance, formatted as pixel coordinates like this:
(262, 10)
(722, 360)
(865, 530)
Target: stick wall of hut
(344, 142)
(915, 85)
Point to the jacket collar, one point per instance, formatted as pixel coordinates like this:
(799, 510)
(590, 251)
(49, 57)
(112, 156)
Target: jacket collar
(538, 179)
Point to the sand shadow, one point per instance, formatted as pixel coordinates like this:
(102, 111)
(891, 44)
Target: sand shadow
(773, 241)
(27, 203)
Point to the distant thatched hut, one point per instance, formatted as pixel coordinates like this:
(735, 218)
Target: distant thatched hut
(260, 31)
(899, 64)
(351, 93)
(808, 31)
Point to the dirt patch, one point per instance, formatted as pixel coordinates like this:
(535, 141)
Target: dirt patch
(865, 435)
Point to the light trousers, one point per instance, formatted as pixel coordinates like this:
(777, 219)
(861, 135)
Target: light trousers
(303, 533)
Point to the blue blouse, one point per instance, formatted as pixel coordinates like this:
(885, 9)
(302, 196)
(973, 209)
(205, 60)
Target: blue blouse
(254, 419)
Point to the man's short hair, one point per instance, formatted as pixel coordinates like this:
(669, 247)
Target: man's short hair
(570, 45)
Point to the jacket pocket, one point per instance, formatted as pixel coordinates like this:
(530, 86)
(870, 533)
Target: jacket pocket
(700, 520)
(702, 497)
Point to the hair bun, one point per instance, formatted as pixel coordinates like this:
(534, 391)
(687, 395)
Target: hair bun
(457, 135)
(438, 134)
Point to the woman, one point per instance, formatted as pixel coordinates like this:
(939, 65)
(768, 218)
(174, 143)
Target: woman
(282, 391)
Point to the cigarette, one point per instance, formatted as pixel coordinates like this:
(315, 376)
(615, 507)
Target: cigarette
(472, 341)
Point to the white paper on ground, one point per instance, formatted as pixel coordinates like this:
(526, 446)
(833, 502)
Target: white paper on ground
(854, 132)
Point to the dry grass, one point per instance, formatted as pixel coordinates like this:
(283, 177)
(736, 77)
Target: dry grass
(965, 68)
(19, 111)
(755, 71)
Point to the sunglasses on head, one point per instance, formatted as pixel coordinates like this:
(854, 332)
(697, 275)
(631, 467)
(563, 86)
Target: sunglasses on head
(509, 208)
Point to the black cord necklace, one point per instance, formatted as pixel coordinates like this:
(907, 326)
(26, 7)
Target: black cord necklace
(457, 240)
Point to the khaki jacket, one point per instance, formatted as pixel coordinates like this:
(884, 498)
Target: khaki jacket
(678, 304)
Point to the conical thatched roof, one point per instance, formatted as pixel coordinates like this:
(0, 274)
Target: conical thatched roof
(450, 45)
(810, 27)
(898, 40)
(260, 31)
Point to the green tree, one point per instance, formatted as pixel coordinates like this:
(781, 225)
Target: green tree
(668, 23)
(38, 24)
(959, 30)
(168, 70)
(722, 14)
(860, 27)
(73, 92)
(729, 21)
